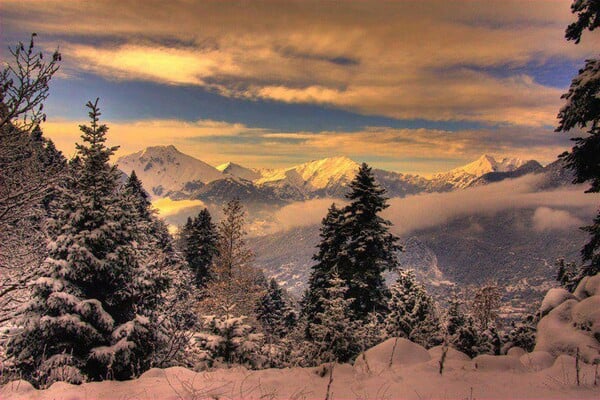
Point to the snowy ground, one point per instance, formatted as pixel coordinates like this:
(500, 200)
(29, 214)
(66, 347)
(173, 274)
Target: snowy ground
(414, 374)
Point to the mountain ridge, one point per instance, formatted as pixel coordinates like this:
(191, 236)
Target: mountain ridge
(167, 172)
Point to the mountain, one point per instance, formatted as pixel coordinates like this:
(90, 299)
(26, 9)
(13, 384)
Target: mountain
(529, 167)
(239, 171)
(465, 176)
(323, 178)
(166, 172)
(164, 168)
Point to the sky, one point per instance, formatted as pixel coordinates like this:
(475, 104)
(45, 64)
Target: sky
(411, 86)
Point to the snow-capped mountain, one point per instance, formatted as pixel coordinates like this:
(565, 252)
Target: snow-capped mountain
(239, 171)
(166, 172)
(465, 176)
(325, 176)
(163, 169)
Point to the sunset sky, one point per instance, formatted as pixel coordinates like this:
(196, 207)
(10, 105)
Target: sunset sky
(411, 86)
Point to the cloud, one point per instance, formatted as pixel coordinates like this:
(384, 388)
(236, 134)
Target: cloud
(545, 219)
(429, 210)
(169, 208)
(305, 213)
(425, 60)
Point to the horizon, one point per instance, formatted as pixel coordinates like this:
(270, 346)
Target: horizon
(273, 84)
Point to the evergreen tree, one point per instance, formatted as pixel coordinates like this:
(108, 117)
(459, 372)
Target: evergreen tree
(87, 315)
(140, 196)
(335, 338)
(582, 112)
(369, 248)
(523, 333)
(411, 312)
(274, 313)
(200, 245)
(227, 339)
(327, 256)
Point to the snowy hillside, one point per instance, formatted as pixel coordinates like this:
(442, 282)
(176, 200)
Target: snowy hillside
(465, 176)
(395, 369)
(164, 168)
(239, 171)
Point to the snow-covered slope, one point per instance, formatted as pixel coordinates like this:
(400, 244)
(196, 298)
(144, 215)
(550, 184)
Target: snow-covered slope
(394, 369)
(313, 175)
(239, 171)
(164, 168)
(462, 177)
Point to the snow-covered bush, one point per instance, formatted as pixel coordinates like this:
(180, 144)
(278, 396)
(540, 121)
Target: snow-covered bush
(571, 323)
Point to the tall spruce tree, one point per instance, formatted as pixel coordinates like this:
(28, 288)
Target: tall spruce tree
(369, 248)
(200, 245)
(274, 312)
(582, 112)
(327, 259)
(86, 321)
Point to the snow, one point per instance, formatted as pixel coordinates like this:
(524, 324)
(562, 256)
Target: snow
(394, 351)
(317, 174)
(537, 360)
(497, 377)
(553, 299)
(571, 325)
(239, 171)
(487, 362)
(516, 352)
(164, 168)
(451, 354)
(463, 176)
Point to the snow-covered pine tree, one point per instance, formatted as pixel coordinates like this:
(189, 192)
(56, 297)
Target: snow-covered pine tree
(370, 248)
(335, 336)
(141, 198)
(582, 112)
(522, 333)
(328, 257)
(84, 316)
(274, 313)
(199, 237)
(227, 339)
(411, 312)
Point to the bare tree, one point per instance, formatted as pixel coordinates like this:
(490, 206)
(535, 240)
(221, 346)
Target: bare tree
(30, 165)
(234, 280)
(485, 304)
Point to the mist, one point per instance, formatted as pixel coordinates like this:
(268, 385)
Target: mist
(555, 209)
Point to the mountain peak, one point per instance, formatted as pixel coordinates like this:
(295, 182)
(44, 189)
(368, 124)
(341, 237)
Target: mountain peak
(238, 171)
(159, 151)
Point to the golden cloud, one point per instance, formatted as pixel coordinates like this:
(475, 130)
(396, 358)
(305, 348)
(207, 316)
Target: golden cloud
(398, 59)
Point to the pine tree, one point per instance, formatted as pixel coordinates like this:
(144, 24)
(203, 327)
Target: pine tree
(327, 259)
(523, 333)
(412, 313)
(274, 313)
(87, 314)
(582, 112)
(370, 248)
(335, 338)
(140, 196)
(227, 339)
(200, 245)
